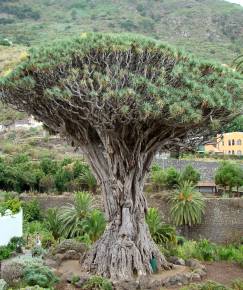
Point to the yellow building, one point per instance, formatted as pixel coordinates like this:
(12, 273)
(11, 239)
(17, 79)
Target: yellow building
(227, 143)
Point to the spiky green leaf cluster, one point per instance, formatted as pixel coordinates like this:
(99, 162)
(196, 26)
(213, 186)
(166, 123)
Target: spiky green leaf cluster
(187, 205)
(108, 80)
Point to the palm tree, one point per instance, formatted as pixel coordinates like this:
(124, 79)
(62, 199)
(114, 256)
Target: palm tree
(187, 205)
(73, 216)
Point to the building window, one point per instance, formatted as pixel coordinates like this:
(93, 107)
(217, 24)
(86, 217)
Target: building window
(229, 142)
(239, 152)
(233, 142)
(223, 143)
(233, 152)
(239, 142)
(229, 152)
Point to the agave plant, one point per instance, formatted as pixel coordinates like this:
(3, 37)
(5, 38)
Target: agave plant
(187, 205)
(74, 215)
(161, 233)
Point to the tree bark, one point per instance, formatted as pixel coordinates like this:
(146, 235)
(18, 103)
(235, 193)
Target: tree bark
(126, 247)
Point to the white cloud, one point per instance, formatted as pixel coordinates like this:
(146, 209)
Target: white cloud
(236, 1)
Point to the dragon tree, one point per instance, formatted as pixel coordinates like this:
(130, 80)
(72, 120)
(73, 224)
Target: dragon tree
(121, 99)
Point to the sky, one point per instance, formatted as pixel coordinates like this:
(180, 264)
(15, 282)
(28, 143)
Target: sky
(236, 1)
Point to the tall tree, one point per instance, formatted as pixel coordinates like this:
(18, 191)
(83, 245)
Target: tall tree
(121, 98)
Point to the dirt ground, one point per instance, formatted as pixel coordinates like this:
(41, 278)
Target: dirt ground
(221, 272)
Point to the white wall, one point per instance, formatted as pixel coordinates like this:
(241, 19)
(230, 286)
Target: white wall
(10, 226)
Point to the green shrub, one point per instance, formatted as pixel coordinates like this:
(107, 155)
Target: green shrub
(32, 211)
(172, 177)
(205, 250)
(97, 282)
(11, 204)
(75, 279)
(39, 275)
(158, 178)
(52, 222)
(229, 175)
(5, 252)
(47, 183)
(47, 240)
(37, 251)
(94, 224)
(161, 233)
(237, 284)
(187, 250)
(209, 285)
(190, 174)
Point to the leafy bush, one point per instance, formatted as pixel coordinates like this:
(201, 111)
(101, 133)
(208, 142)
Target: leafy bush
(97, 282)
(52, 222)
(161, 233)
(206, 251)
(37, 251)
(237, 284)
(39, 275)
(73, 215)
(94, 224)
(187, 250)
(47, 240)
(229, 175)
(32, 211)
(14, 205)
(209, 285)
(158, 178)
(190, 174)
(172, 177)
(5, 252)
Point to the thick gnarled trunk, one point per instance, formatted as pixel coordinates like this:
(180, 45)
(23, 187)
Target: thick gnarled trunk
(126, 248)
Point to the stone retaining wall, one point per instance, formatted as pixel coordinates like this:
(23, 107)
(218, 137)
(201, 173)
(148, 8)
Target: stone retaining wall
(207, 169)
(222, 222)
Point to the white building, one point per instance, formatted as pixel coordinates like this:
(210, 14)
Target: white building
(10, 226)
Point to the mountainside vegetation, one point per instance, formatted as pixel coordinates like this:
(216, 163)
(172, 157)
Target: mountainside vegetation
(209, 28)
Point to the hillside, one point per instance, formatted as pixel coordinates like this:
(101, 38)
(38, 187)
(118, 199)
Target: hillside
(209, 28)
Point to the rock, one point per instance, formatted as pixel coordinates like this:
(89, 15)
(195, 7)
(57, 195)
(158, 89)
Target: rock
(126, 285)
(81, 282)
(154, 285)
(51, 263)
(194, 264)
(12, 272)
(195, 277)
(201, 272)
(68, 245)
(71, 255)
(3, 285)
(58, 258)
(180, 262)
(176, 261)
(68, 277)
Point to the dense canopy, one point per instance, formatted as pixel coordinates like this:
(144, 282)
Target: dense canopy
(108, 80)
(121, 98)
